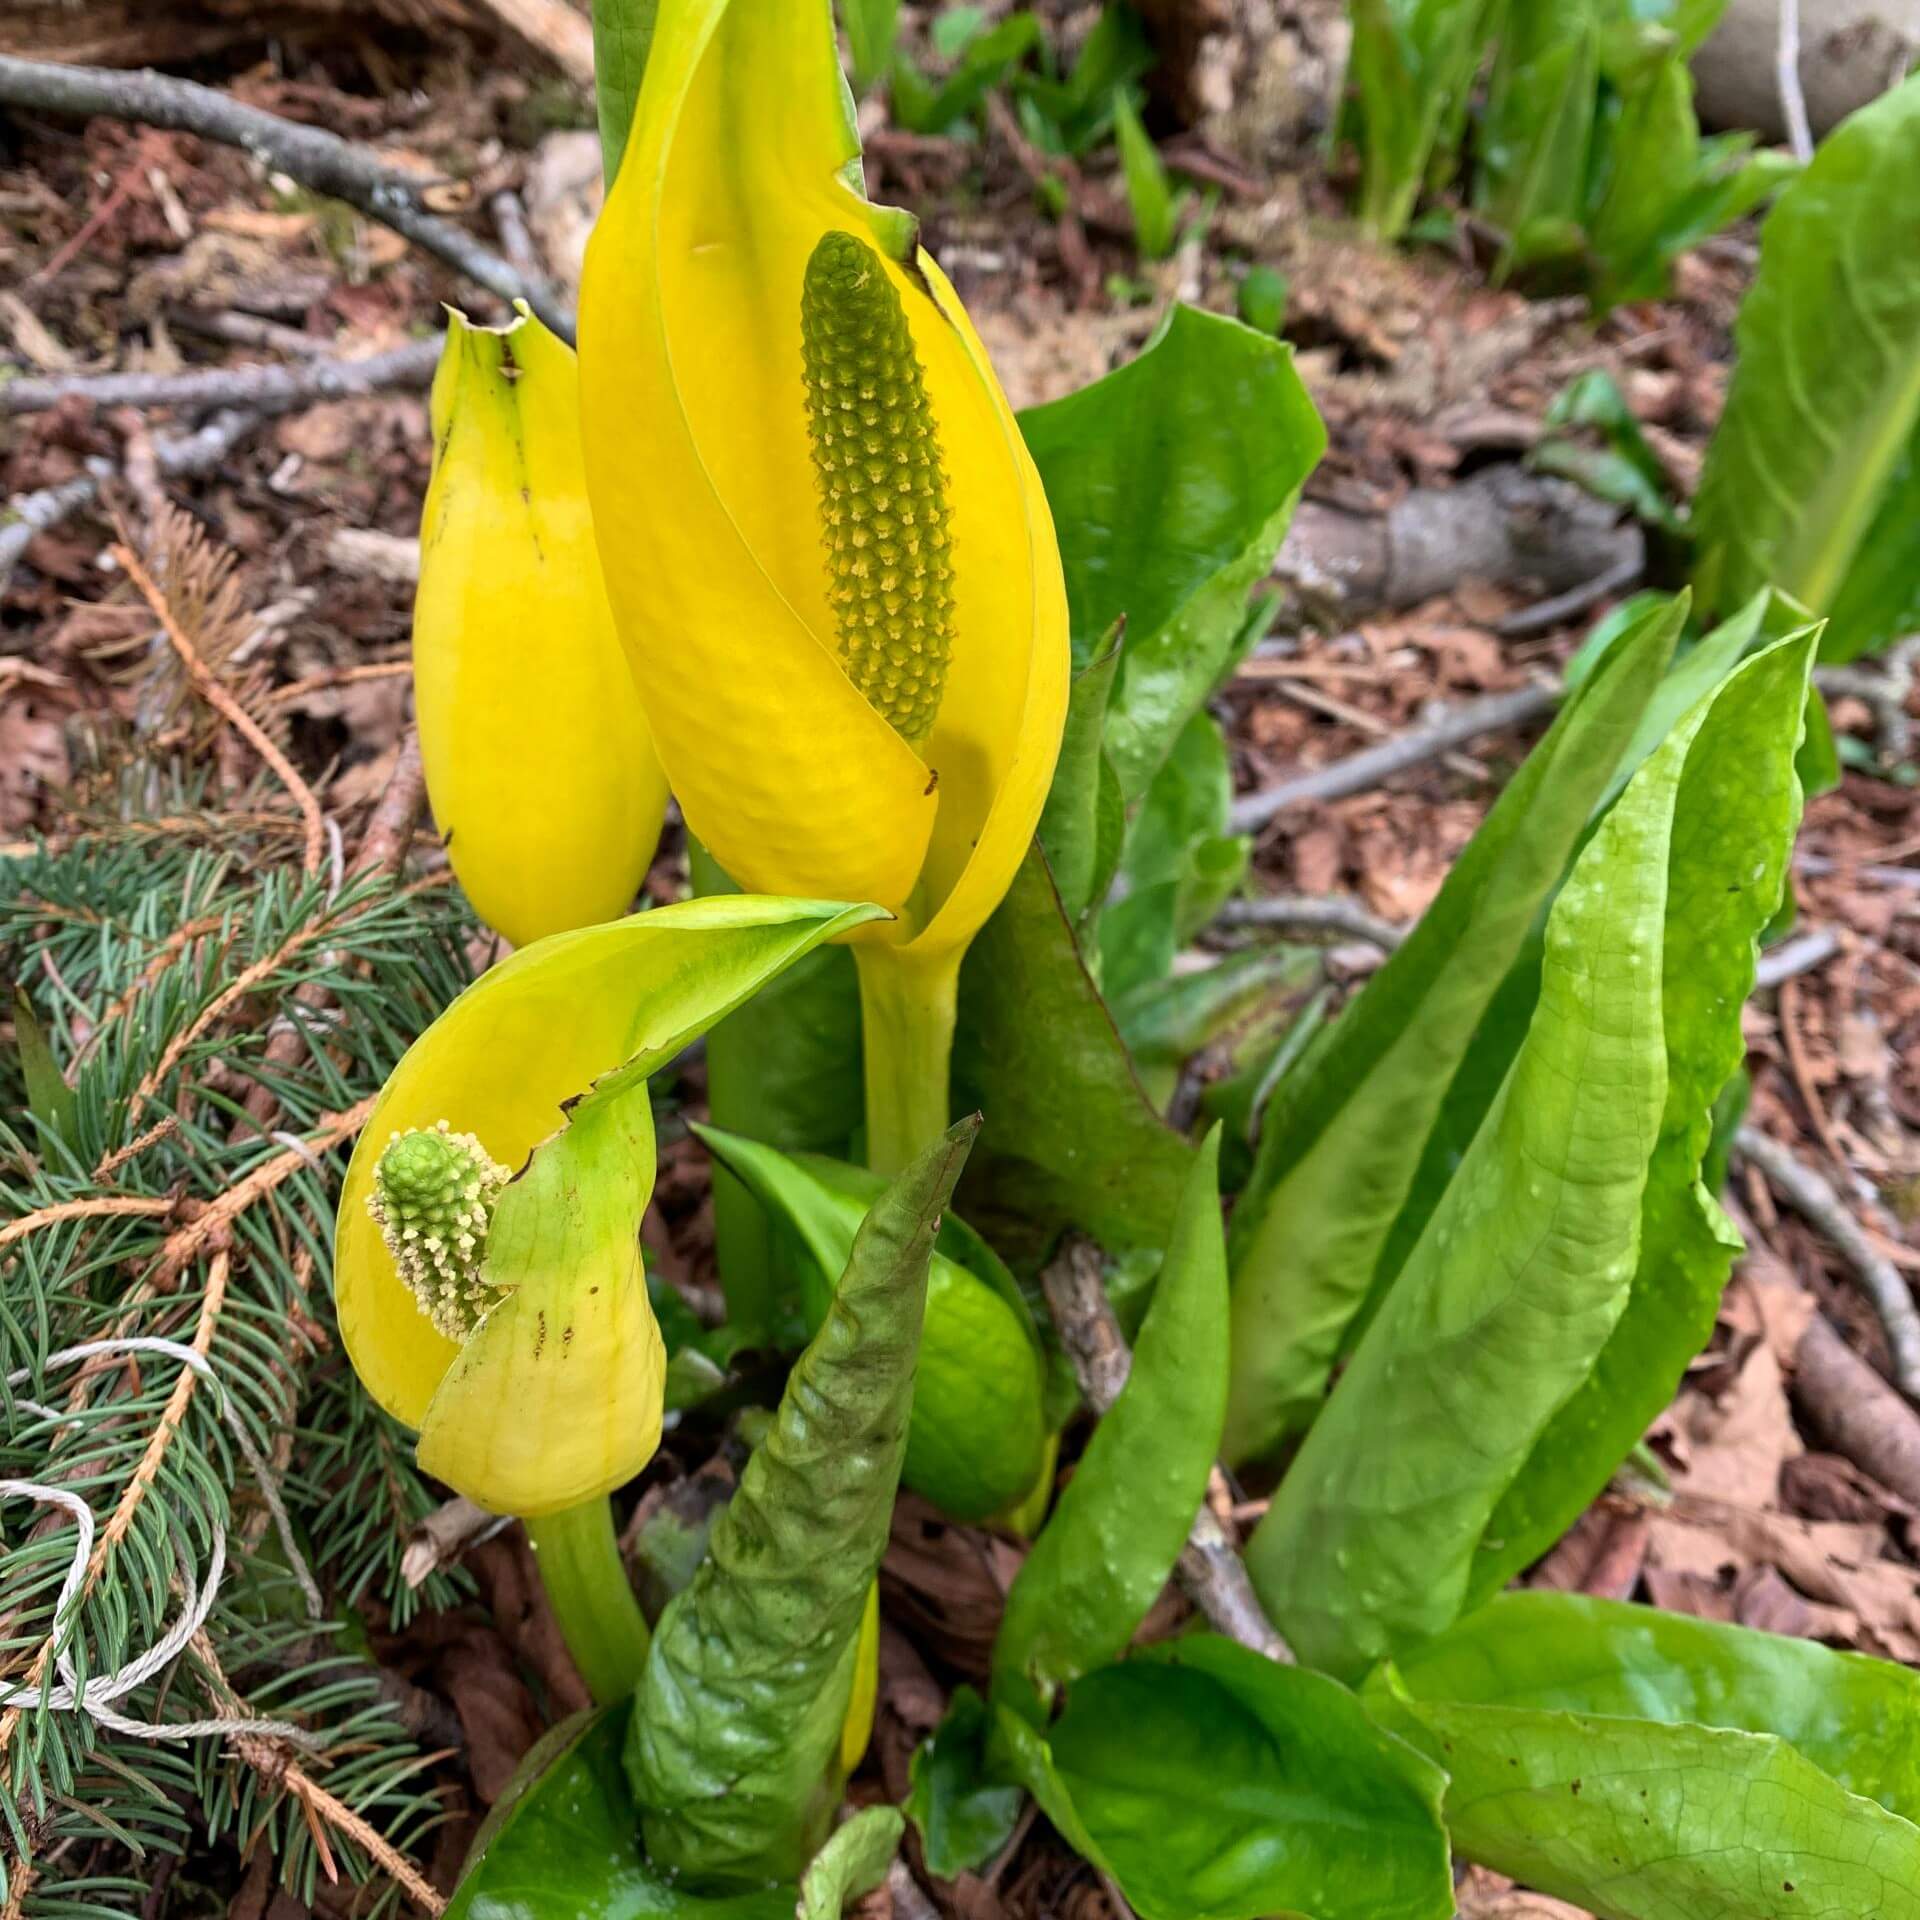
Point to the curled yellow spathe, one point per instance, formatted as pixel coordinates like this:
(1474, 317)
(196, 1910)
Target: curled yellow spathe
(540, 768)
(704, 468)
(555, 1394)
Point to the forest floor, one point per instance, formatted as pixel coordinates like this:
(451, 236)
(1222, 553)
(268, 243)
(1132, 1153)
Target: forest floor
(129, 249)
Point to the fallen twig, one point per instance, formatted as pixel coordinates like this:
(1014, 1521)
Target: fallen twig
(1854, 1411)
(1810, 1195)
(443, 1536)
(1314, 918)
(1786, 68)
(1801, 954)
(1497, 713)
(260, 389)
(1209, 1568)
(194, 453)
(1544, 615)
(311, 155)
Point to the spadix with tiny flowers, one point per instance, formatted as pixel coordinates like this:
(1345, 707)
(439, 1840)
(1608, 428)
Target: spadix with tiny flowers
(827, 549)
(506, 1318)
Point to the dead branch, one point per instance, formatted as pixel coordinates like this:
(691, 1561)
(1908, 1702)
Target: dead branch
(1855, 1412)
(1802, 954)
(178, 458)
(1313, 919)
(1497, 713)
(442, 1537)
(311, 155)
(262, 389)
(1210, 1569)
(1810, 1195)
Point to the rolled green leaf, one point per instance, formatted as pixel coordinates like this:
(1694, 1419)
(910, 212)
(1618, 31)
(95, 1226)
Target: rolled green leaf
(736, 1729)
(1345, 1134)
(854, 1861)
(1124, 1516)
(1824, 410)
(1855, 1718)
(1527, 1265)
(1215, 1784)
(978, 1433)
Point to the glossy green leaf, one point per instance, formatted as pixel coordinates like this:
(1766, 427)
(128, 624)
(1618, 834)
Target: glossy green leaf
(1736, 814)
(736, 1731)
(563, 1843)
(977, 1435)
(963, 1813)
(785, 1068)
(1633, 1820)
(1071, 826)
(1178, 865)
(1071, 1137)
(1344, 1136)
(1215, 1784)
(1527, 1265)
(1879, 601)
(853, 1862)
(622, 34)
(1825, 400)
(1156, 216)
(1171, 482)
(1854, 1717)
(1119, 1525)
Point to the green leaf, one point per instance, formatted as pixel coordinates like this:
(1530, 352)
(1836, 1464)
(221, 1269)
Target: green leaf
(51, 1103)
(1527, 1265)
(1344, 1136)
(622, 35)
(563, 1843)
(1880, 599)
(854, 1861)
(1825, 399)
(1637, 1821)
(1537, 129)
(872, 28)
(1629, 472)
(1171, 483)
(1072, 1139)
(1653, 160)
(1071, 824)
(963, 1814)
(1411, 70)
(737, 1727)
(1178, 865)
(984, 60)
(1124, 1516)
(1855, 1718)
(1215, 1784)
(1156, 219)
(1262, 299)
(977, 1435)
(1072, 115)
(1736, 814)
(784, 1069)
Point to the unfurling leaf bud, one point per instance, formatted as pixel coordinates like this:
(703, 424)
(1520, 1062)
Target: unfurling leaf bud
(433, 1196)
(883, 491)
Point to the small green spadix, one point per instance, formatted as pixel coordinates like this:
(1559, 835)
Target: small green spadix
(433, 1195)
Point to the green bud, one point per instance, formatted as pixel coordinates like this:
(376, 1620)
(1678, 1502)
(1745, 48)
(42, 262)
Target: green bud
(883, 492)
(433, 1197)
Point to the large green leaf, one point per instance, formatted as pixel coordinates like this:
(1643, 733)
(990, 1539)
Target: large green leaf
(1880, 600)
(1124, 1516)
(1826, 388)
(1527, 1264)
(733, 1742)
(965, 1814)
(1735, 818)
(977, 1436)
(563, 1843)
(1633, 1820)
(784, 1068)
(1346, 1131)
(1081, 826)
(1179, 863)
(1171, 482)
(1071, 1137)
(1215, 1784)
(1855, 1718)
(1536, 130)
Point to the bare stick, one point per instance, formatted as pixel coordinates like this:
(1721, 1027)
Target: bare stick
(194, 453)
(1796, 956)
(1855, 1411)
(1544, 615)
(1209, 1568)
(311, 155)
(1793, 103)
(266, 390)
(1809, 1194)
(1313, 919)
(1497, 713)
